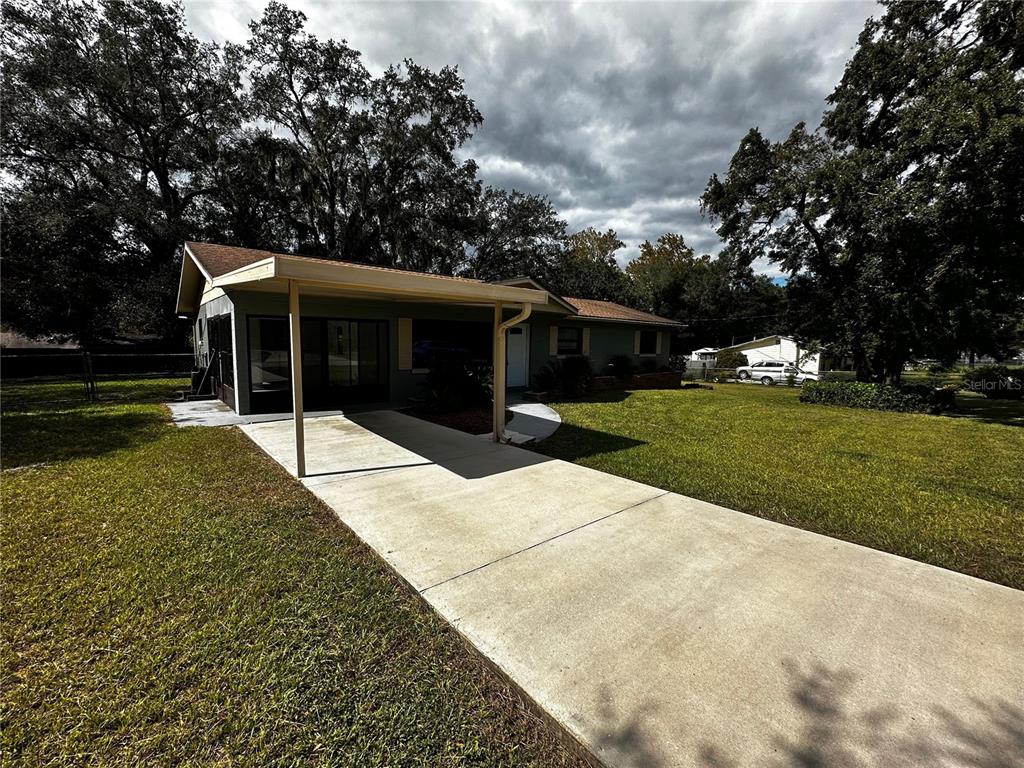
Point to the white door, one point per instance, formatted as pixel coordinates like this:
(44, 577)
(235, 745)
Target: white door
(517, 352)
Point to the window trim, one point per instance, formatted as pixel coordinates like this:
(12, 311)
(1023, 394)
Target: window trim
(640, 346)
(579, 341)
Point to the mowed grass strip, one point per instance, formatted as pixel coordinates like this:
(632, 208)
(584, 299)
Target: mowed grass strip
(171, 596)
(943, 490)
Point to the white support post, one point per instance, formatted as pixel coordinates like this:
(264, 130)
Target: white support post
(499, 373)
(295, 321)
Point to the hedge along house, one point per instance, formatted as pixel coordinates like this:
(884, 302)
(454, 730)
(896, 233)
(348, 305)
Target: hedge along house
(369, 335)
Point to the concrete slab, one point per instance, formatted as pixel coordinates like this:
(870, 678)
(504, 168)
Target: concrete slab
(435, 523)
(534, 420)
(681, 633)
(664, 631)
(203, 413)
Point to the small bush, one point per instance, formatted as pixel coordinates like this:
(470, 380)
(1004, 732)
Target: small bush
(995, 381)
(453, 385)
(677, 362)
(621, 367)
(548, 377)
(572, 376)
(577, 376)
(916, 398)
(730, 358)
(838, 376)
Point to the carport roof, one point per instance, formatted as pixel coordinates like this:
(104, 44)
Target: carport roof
(209, 267)
(217, 260)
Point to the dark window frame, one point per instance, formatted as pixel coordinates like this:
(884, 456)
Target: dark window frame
(383, 382)
(421, 364)
(577, 342)
(653, 346)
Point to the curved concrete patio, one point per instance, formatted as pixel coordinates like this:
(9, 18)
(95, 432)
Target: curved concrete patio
(660, 630)
(535, 421)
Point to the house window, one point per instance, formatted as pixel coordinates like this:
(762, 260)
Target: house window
(570, 341)
(448, 341)
(648, 342)
(269, 356)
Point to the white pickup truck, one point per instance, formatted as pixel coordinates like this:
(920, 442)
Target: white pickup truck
(770, 372)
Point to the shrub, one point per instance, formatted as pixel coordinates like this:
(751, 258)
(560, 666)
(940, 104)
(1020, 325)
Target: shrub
(454, 385)
(648, 366)
(919, 398)
(730, 358)
(621, 367)
(995, 381)
(677, 362)
(577, 376)
(838, 376)
(572, 376)
(548, 377)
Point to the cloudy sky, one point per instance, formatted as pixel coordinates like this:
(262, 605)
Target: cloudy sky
(618, 112)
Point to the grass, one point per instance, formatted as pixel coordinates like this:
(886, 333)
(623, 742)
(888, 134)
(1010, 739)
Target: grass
(171, 596)
(946, 491)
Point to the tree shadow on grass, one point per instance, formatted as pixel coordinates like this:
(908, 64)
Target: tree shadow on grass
(989, 410)
(50, 436)
(572, 443)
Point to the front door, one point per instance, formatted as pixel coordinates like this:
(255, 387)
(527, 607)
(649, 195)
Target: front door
(518, 356)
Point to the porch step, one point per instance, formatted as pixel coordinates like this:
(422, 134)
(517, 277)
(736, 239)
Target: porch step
(516, 438)
(186, 395)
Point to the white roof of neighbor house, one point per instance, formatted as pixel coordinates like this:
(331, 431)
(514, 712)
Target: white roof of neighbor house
(763, 341)
(207, 269)
(704, 350)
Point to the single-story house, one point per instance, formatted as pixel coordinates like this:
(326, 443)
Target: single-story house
(782, 348)
(367, 334)
(704, 353)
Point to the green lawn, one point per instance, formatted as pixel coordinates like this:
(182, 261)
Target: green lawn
(171, 596)
(945, 490)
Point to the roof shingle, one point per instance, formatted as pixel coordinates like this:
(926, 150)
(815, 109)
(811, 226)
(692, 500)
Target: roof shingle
(608, 310)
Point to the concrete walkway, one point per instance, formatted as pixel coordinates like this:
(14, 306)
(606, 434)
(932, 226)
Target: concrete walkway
(535, 420)
(663, 631)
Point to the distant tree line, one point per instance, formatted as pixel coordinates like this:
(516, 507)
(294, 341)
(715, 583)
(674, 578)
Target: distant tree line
(898, 221)
(124, 135)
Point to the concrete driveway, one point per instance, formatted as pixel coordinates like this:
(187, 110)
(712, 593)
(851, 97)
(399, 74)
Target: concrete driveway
(663, 631)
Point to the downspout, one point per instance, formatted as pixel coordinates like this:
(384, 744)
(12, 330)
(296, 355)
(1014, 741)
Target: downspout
(500, 363)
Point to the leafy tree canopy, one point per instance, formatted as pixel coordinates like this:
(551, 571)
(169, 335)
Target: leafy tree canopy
(126, 134)
(899, 220)
(587, 268)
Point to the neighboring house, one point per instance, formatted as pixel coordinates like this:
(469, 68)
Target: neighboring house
(783, 348)
(369, 334)
(14, 341)
(704, 354)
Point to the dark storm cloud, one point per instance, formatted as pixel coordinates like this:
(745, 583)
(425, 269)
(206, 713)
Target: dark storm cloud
(617, 112)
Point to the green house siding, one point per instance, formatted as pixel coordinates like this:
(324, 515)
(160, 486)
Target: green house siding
(606, 339)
